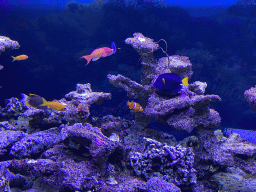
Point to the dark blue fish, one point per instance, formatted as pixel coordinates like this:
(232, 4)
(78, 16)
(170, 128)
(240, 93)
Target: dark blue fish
(169, 83)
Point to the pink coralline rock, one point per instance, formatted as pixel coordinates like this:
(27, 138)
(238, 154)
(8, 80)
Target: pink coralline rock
(6, 42)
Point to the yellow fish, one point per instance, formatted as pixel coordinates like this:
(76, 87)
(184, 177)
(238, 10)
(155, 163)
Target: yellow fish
(53, 105)
(20, 57)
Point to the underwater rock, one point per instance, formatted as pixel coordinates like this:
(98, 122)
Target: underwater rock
(84, 94)
(36, 143)
(6, 42)
(4, 182)
(183, 113)
(110, 124)
(133, 89)
(173, 164)
(5, 125)
(136, 135)
(155, 184)
(8, 138)
(37, 167)
(73, 175)
(143, 45)
(232, 151)
(13, 108)
(191, 141)
(198, 87)
(234, 181)
(21, 124)
(84, 135)
(250, 96)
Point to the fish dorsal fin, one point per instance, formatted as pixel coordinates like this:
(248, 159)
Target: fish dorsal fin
(185, 81)
(95, 59)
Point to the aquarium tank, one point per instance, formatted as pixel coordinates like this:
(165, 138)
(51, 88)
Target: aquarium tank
(127, 96)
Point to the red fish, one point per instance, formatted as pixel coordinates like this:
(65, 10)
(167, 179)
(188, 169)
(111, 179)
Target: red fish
(100, 52)
(136, 107)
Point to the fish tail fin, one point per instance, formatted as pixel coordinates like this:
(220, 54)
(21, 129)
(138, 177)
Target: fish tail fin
(45, 103)
(185, 81)
(24, 98)
(14, 58)
(113, 46)
(88, 58)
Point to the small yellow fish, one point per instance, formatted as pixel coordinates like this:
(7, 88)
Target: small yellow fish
(20, 57)
(54, 105)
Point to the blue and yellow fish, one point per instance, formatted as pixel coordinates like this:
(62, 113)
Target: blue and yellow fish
(169, 84)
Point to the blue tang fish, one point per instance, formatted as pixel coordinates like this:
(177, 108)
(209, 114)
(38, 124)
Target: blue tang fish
(169, 83)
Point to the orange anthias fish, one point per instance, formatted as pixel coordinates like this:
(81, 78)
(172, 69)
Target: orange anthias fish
(20, 57)
(53, 105)
(100, 52)
(136, 107)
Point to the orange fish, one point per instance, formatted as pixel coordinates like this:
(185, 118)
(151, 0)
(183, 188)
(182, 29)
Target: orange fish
(100, 52)
(20, 57)
(54, 105)
(136, 107)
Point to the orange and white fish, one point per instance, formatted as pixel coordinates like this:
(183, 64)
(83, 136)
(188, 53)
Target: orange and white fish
(19, 58)
(100, 52)
(136, 107)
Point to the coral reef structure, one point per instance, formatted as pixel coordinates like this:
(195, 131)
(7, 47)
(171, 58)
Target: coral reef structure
(182, 113)
(6, 42)
(74, 151)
